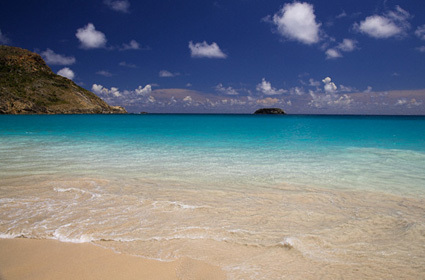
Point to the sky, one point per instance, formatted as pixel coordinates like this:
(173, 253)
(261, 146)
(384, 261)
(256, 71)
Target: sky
(234, 56)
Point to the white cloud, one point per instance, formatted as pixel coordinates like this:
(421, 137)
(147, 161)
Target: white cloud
(205, 50)
(297, 21)
(329, 100)
(229, 90)
(343, 88)
(329, 87)
(347, 45)
(267, 89)
(400, 102)
(343, 14)
(53, 58)
(90, 38)
(368, 89)
(409, 103)
(188, 99)
(100, 90)
(420, 32)
(167, 74)
(4, 39)
(391, 24)
(313, 83)
(67, 73)
(118, 5)
(188, 85)
(151, 99)
(133, 45)
(143, 90)
(332, 54)
(296, 91)
(97, 88)
(268, 101)
(104, 73)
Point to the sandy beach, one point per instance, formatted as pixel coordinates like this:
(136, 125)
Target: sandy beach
(34, 259)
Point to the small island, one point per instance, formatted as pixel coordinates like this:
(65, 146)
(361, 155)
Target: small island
(269, 111)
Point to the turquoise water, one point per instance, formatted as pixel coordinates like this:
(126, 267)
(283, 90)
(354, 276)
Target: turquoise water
(359, 152)
(333, 196)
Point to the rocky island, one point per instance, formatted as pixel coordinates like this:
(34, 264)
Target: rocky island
(269, 111)
(29, 86)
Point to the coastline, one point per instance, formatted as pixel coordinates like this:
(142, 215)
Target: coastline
(36, 259)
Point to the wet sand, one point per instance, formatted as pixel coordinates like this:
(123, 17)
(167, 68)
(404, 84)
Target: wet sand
(34, 259)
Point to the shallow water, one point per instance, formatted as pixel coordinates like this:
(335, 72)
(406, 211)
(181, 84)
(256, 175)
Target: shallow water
(263, 197)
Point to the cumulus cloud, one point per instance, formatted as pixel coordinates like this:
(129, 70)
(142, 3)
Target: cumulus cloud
(266, 88)
(229, 90)
(100, 90)
(118, 5)
(391, 24)
(133, 45)
(296, 91)
(188, 99)
(332, 54)
(343, 88)
(313, 83)
(67, 73)
(409, 103)
(53, 58)
(347, 45)
(204, 50)
(90, 38)
(167, 74)
(330, 86)
(3, 39)
(297, 21)
(368, 89)
(143, 90)
(329, 100)
(114, 92)
(420, 32)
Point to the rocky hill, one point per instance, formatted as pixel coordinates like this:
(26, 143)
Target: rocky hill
(29, 86)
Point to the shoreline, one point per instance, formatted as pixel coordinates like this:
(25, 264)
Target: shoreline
(36, 259)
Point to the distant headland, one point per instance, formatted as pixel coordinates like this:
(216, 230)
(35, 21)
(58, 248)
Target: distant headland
(29, 86)
(269, 111)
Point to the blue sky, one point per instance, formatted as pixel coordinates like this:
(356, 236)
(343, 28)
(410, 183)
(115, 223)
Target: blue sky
(325, 57)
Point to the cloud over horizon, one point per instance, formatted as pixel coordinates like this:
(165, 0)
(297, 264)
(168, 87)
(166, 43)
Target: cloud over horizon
(228, 91)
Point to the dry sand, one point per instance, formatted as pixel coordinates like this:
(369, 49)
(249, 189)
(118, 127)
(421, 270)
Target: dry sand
(48, 259)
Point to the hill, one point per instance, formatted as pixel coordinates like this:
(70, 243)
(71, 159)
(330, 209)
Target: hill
(29, 86)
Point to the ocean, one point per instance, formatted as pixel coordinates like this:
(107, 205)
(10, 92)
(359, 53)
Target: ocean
(263, 197)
